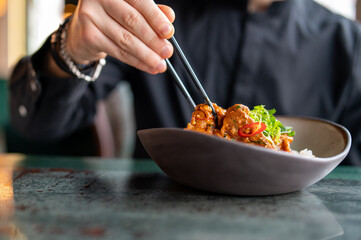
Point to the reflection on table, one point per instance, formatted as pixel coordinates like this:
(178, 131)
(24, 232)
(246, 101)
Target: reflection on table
(87, 198)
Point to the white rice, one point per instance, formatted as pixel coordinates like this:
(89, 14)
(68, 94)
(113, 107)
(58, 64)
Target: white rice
(305, 152)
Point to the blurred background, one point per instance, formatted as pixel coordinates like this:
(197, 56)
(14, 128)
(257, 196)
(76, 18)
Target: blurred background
(25, 24)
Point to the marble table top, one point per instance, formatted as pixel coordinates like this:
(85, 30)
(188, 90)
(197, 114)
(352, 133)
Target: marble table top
(91, 198)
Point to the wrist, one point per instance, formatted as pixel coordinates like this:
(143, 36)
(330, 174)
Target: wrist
(65, 62)
(74, 47)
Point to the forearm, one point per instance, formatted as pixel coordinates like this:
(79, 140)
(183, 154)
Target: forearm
(45, 104)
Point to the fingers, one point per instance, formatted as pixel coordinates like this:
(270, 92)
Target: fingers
(131, 20)
(123, 55)
(131, 46)
(168, 12)
(134, 34)
(155, 17)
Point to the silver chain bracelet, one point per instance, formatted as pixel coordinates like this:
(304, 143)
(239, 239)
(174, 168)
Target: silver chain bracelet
(70, 63)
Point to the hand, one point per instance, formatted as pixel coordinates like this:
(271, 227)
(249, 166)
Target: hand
(133, 31)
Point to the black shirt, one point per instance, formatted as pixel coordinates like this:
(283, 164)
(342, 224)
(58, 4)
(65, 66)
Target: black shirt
(296, 57)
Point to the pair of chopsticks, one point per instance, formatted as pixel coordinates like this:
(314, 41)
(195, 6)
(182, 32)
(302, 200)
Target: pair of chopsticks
(192, 75)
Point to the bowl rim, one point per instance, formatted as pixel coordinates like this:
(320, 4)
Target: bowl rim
(343, 130)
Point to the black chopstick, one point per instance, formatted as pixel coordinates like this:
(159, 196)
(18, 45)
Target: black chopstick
(193, 76)
(179, 83)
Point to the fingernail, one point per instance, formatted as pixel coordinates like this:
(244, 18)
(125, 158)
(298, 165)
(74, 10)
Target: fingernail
(161, 67)
(166, 30)
(166, 51)
(152, 71)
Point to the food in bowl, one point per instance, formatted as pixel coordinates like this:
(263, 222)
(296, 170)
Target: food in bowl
(238, 123)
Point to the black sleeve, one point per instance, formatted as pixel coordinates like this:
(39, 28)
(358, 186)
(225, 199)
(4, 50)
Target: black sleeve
(44, 107)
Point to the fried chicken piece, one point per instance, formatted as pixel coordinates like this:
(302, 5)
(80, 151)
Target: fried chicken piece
(236, 118)
(203, 120)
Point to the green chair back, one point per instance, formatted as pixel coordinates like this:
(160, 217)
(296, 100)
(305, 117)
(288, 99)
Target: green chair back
(4, 114)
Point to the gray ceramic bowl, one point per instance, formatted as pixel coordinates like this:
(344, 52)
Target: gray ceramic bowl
(213, 164)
